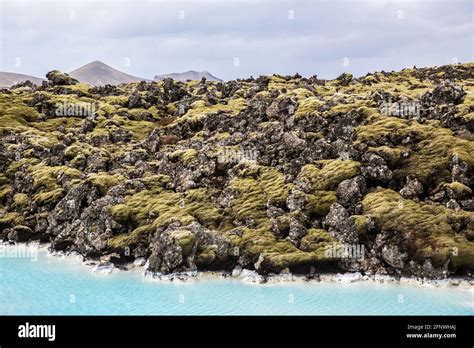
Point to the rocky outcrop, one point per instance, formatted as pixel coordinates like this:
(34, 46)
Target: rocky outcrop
(183, 248)
(270, 174)
(58, 78)
(446, 92)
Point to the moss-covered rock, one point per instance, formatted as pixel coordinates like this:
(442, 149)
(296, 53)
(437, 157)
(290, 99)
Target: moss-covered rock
(424, 229)
(264, 173)
(327, 174)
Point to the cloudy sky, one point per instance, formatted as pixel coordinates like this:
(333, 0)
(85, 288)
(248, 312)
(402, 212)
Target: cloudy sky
(233, 38)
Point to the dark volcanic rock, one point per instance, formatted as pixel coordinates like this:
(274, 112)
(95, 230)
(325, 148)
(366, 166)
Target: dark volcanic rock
(267, 174)
(58, 78)
(446, 93)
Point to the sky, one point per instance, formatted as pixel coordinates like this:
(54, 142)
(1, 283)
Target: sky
(235, 39)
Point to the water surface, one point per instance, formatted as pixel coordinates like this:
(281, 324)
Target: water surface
(48, 285)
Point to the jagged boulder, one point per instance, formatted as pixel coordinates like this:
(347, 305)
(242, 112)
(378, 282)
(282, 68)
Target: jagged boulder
(375, 168)
(413, 188)
(339, 225)
(182, 248)
(345, 79)
(446, 92)
(58, 78)
(349, 192)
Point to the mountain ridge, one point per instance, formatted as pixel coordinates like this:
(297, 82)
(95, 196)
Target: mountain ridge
(97, 73)
(188, 75)
(9, 79)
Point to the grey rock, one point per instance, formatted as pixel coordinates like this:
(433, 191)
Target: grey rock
(375, 168)
(340, 225)
(413, 188)
(351, 191)
(448, 92)
(58, 78)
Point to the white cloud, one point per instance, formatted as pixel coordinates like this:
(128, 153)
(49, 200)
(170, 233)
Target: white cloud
(374, 35)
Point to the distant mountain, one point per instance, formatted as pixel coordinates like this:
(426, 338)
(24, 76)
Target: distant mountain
(188, 75)
(97, 73)
(8, 79)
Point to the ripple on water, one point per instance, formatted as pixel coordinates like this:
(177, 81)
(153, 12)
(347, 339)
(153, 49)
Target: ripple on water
(53, 285)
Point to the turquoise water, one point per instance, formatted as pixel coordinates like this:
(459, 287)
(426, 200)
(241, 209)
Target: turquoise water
(52, 285)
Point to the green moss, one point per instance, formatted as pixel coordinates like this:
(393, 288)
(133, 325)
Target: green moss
(46, 178)
(185, 239)
(319, 202)
(435, 152)
(393, 212)
(105, 181)
(260, 240)
(253, 188)
(171, 108)
(20, 200)
(3, 180)
(185, 156)
(388, 127)
(75, 150)
(17, 165)
(392, 155)
(206, 256)
(139, 114)
(115, 100)
(160, 207)
(434, 147)
(463, 254)
(81, 87)
(425, 228)
(10, 220)
(308, 107)
(125, 240)
(299, 93)
(221, 136)
(49, 197)
(198, 203)
(281, 254)
(51, 125)
(361, 223)
(459, 189)
(316, 239)
(43, 139)
(326, 174)
(468, 106)
(46, 181)
(16, 114)
(139, 129)
(199, 110)
(5, 190)
(313, 136)
(121, 213)
(156, 182)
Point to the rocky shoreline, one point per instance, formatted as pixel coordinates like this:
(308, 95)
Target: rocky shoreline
(272, 175)
(252, 277)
